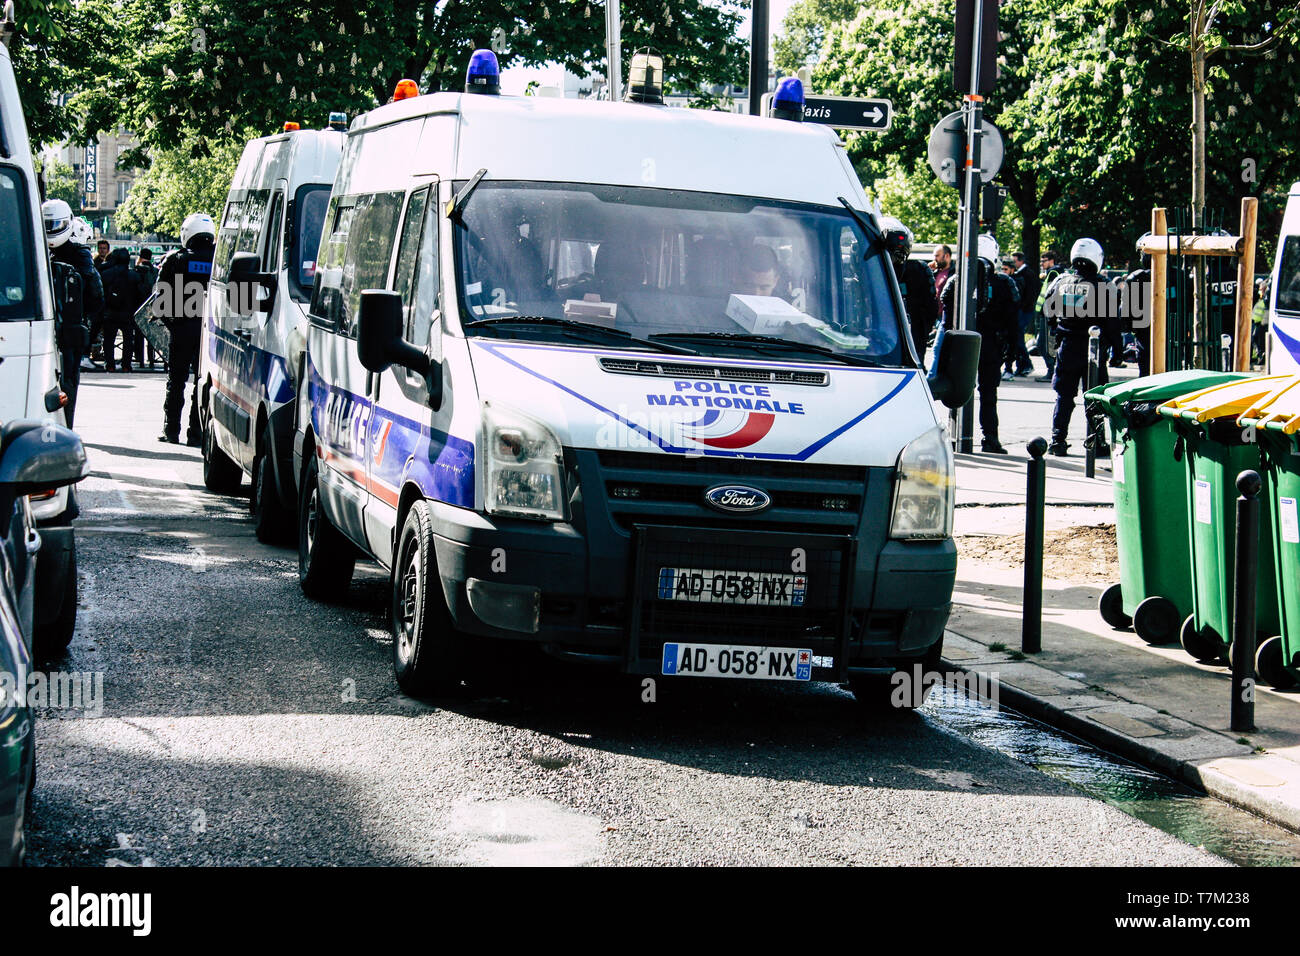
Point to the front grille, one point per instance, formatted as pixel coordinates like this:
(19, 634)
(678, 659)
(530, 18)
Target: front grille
(725, 373)
(670, 489)
(819, 624)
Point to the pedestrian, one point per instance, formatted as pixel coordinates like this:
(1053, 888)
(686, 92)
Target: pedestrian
(1050, 269)
(995, 321)
(148, 277)
(121, 299)
(182, 283)
(915, 284)
(80, 297)
(1075, 302)
(1027, 282)
(101, 254)
(942, 269)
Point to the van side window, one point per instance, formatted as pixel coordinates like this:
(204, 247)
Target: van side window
(408, 254)
(227, 236)
(1288, 276)
(326, 305)
(356, 256)
(250, 231)
(271, 236)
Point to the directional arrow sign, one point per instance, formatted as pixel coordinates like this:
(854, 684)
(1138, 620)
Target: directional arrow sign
(844, 112)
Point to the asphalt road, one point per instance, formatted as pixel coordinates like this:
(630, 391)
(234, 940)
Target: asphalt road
(244, 724)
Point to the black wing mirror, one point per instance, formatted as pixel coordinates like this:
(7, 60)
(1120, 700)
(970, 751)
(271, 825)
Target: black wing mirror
(37, 456)
(956, 365)
(379, 335)
(243, 283)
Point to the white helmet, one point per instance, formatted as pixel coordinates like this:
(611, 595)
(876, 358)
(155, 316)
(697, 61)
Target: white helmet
(197, 224)
(58, 222)
(1088, 250)
(82, 232)
(987, 248)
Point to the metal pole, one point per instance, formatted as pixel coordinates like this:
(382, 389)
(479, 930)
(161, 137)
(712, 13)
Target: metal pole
(1243, 614)
(614, 49)
(967, 288)
(1031, 628)
(1089, 421)
(757, 57)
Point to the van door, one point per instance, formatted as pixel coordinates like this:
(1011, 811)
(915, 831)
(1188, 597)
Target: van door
(257, 332)
(400, 426)
(357, 248)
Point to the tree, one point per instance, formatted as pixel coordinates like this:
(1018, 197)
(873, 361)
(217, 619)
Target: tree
(177, 184)
(804, 32)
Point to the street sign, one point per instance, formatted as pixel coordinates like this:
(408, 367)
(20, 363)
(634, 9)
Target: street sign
(948, 150)
(963, 76)
(844, 112)
(91, 186)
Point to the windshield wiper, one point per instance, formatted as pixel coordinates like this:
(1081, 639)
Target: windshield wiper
(743, 338)
(456, 206)
(875, 237)
(602, 333)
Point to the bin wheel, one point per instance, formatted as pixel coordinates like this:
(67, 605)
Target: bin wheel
(1111, 607)
(1269, 666)
(1155, 620)
(1203, 649)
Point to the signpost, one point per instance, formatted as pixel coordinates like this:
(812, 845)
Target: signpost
(613, 50)
(844, 112)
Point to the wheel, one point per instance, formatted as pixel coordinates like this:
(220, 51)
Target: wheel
(1155, 620)
(272, 521)
(1111, 606)
(326, 558)
(1204, 649)
(221, 475)
(429, 656)
(51, 636)
(1269, 666)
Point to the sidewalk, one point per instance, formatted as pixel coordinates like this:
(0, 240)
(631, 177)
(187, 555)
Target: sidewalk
(1153, 705)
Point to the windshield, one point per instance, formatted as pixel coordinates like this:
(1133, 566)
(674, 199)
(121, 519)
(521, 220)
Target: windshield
(309, 215)
(698, 268)
(17, 287)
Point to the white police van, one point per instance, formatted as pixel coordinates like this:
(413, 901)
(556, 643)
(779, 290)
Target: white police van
(30, 363)
(255, 318)
(628, 382)
(1284, 293)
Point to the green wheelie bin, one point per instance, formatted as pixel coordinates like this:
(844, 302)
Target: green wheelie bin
(1155, 590)
(1216, 450)
(1276, 424)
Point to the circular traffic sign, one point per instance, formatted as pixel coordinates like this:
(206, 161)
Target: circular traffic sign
(947, 151)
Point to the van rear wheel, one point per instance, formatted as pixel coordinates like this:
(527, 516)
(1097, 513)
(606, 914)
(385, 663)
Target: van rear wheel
(272, 521)
(428, 654)
(221, 475)
(326, 559)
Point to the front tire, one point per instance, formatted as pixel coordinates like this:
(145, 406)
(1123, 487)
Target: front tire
(326, 559)
(272, 521)
(221, 475)
(429, 656)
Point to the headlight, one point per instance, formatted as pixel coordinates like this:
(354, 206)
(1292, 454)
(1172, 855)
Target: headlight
(924, 489)
(524, 460)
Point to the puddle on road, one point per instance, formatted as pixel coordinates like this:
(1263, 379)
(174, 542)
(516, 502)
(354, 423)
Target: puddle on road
(1223, 830)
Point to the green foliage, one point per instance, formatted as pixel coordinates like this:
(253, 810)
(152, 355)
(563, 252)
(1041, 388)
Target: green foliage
(61, 183)
(177, 184)
(804, 32)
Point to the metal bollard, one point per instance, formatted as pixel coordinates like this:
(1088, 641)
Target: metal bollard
(1243, 614)
(1091, 382)
(1031, 628)
(1225, 351)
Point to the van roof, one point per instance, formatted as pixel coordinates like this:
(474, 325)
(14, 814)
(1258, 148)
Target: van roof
(545, 139)
(302, 156)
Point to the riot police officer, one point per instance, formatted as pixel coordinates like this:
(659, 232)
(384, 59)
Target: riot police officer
(79, 293)
(915, 282)
(1136, 310)
(1075, 302)
(182, 283)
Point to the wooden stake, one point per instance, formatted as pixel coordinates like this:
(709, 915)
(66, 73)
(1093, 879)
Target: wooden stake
(1157, 305)
(1245, 284)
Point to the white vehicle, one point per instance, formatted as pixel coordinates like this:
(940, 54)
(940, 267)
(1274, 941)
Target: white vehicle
(1284, 293)
(30, 364)
(255, 318)
(628, 382)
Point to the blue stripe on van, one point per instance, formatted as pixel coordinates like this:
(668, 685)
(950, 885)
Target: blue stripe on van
(264, 373)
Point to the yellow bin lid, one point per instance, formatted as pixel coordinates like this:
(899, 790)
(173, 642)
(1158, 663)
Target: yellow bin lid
(1280, 409)
(1226, 401)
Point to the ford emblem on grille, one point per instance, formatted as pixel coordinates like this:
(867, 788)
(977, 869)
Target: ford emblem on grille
(739, 498)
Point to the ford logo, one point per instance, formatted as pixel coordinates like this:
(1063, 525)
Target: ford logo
(739, 498)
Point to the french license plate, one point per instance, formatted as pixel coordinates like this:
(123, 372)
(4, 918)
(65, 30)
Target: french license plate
(726, 660)
(754, 588)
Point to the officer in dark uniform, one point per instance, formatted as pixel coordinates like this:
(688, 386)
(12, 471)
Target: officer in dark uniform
(182, 283)
(79, 293)
(915, 282)
(1136, 310)
(1075, 302)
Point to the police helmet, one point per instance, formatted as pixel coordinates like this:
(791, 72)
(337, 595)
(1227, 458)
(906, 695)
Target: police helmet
(197, 224)
(898, 239)
(1086, 252)
(58, 222)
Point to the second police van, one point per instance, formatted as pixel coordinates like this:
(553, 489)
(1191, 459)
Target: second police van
(255, 317)
(628, 382)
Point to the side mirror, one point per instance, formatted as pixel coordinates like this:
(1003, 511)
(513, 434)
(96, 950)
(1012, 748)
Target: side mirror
(379, 335)
(243, 283)
(37, 456)
(956, 365)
